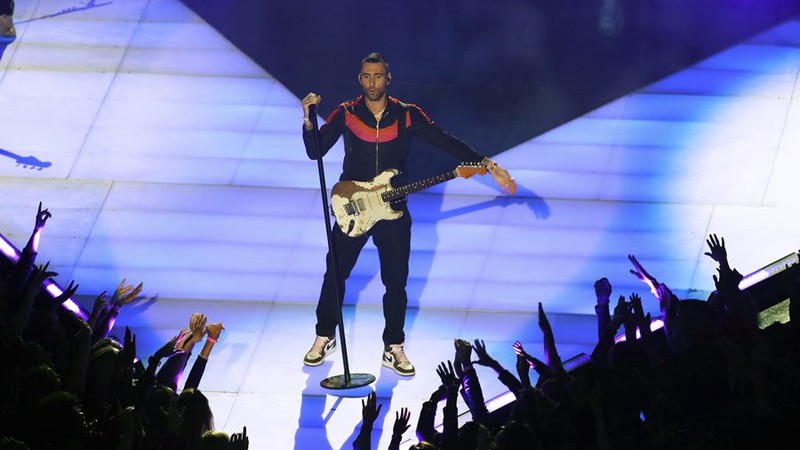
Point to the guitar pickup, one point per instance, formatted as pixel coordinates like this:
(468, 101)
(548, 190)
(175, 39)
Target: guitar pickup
(350, 208)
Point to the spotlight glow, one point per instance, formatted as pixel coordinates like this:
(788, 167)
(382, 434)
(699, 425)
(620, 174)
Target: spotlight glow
(655, 324)
(8, 249)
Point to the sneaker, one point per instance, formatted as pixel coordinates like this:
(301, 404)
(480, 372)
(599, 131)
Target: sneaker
(7, 29)
(395, 358)
(322, 346)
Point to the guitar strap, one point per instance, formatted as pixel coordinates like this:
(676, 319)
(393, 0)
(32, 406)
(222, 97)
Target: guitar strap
(402, 137)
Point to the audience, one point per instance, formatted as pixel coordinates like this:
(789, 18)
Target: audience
(710, 378)
(68, 384)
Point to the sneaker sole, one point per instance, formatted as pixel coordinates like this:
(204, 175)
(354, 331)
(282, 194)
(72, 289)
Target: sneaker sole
(396, 370)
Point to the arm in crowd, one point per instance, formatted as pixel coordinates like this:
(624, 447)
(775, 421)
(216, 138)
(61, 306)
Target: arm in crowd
(23, 269)
(507, 378)
(551, 356)
(20, 315)
(449, 438)
(400, 426)
(425, 424)
(171, 372)
(738, 309)
(471, 390)
(123, 295)
(198, 368)
(370, 410)
(602, 292)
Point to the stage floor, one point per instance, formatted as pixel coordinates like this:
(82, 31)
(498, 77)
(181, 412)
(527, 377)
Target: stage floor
(255, 376)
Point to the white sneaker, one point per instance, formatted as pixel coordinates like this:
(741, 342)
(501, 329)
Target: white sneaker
(394, 357)
(322, 346)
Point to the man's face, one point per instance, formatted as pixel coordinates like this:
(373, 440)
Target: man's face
(373, 79)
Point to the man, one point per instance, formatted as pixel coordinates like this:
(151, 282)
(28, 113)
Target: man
(376, 129)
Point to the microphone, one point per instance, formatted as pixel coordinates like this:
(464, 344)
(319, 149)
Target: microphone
(312, 110)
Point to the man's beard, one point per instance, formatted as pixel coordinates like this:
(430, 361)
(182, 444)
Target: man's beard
(375, 95)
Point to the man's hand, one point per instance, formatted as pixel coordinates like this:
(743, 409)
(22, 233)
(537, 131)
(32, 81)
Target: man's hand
(308, 100)
(501, 177)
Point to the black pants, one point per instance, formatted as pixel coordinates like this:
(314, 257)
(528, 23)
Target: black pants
(6, 7)
(393, 241)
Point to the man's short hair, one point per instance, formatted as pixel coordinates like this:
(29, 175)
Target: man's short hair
(375, 57)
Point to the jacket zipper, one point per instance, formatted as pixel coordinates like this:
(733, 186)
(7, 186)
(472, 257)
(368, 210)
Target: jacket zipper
(377, 134)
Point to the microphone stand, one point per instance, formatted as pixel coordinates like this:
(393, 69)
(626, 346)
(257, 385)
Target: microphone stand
(347, 380)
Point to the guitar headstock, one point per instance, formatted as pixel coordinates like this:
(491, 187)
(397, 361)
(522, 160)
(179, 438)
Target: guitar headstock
(466, 170)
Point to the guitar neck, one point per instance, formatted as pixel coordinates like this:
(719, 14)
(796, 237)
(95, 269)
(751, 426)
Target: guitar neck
(402, 191)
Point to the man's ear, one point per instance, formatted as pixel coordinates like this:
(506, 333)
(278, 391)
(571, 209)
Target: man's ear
(388, 78)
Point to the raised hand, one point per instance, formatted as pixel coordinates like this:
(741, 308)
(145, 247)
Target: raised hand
(602, 290)
(483, 356)
(447, 374)
(523, 370)
(197, 329)
(728, 281)
(125, 294)
(551, 355)
(717, 251)
(370, 409)
(67, 293)
(214, 330)
(463, 352)
(41, 217)
(622, 311)
(401, 419)
(42, 272)
(34, 284)
(98, 310)
(170, 347)
(642, 321)
(642, 274)
(240, 441)
(636, 304)
(541, 368)
(129, 347)
(518, 349)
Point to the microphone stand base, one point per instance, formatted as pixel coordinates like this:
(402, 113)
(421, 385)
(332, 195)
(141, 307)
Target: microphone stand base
(339, 381)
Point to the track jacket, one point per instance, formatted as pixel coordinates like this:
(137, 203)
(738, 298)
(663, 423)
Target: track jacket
(371, 146)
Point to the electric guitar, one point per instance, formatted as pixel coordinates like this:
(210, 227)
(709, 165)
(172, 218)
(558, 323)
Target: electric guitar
(358, 205)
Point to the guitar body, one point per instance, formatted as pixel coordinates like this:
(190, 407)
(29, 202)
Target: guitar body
(358, 205)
